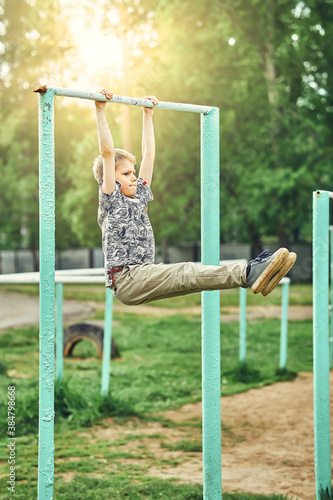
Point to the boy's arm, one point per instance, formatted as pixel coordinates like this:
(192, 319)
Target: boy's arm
(148, 143)
(106, 147)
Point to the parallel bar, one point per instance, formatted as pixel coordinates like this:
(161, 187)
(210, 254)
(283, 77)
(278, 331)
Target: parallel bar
(86, 275)
(331, 294)
(80, 279)
(35, 278)
(210, 248)
(59, 333)
(107, 342)
(132, 101)
(321, 343)
(47, 298)
(242, 324)
(94, 271)
(284, 326)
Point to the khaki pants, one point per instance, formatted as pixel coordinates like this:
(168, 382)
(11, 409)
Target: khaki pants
(138, 284)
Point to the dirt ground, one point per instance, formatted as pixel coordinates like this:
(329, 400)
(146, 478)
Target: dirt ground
(267, 441)
(270, 449)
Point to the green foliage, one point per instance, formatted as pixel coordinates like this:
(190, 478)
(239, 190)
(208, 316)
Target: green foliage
(266, 64)
(34, 41)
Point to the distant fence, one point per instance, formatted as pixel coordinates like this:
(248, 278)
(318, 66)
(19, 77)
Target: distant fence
(20, 261)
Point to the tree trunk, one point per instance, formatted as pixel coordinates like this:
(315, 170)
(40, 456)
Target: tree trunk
(269, 71)
(256, 242)
(125, 116)
(165, 259)
(283, 236)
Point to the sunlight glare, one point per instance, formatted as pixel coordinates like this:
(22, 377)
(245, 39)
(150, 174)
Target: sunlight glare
(106, 42)
(96, 51)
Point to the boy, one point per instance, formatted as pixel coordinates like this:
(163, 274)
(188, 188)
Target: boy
(128, 239)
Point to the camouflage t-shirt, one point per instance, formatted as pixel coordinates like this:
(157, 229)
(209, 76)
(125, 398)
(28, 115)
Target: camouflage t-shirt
(127, 234)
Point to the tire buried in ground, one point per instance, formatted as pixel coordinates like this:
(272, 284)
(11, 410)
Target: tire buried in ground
(87, 331)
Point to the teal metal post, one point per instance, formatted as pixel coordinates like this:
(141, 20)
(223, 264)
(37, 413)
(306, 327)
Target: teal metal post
(284, 326)
(321, 342)
(107, 342)
(242, 325)
(210, 255)
(331, 304)
(59, 333)
(47, 297)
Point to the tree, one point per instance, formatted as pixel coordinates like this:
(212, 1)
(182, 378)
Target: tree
(32, 43)
(266, 65)
(248, 58)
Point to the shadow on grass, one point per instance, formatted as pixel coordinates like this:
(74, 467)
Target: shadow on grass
(3, 369)
(326, 494)
(245, 374)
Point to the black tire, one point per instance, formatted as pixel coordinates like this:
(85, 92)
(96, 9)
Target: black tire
(85, 331)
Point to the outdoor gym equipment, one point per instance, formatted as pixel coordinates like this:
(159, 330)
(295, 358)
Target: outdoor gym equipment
(321, 364)
(96, 275)
(331, 295)
(285, 282)
(210, 250)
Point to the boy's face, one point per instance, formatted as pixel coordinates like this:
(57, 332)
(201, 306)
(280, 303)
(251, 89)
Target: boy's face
(125, 175)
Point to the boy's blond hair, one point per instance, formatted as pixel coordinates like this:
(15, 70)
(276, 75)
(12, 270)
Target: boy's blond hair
(119, 154)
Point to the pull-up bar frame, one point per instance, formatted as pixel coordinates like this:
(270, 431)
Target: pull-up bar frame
(210, 250)
(131, 101)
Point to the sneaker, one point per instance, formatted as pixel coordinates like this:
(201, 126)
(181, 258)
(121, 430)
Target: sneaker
(260, 270)
(288, 264)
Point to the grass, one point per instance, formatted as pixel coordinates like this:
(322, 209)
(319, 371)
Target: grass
(123, 487)
(160, 369)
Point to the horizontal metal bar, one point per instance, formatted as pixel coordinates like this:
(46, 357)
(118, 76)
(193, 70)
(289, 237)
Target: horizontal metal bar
(26, 278)
(94, 271)
(132, 101)
(60, 275)
(90, 275)
(80, 279)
